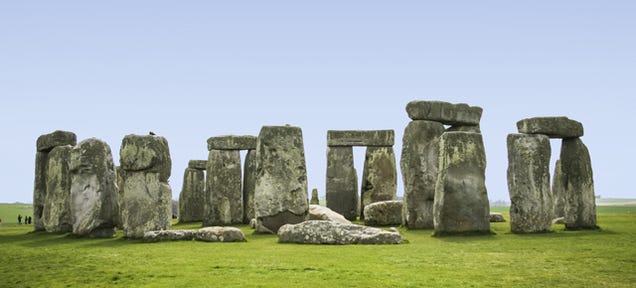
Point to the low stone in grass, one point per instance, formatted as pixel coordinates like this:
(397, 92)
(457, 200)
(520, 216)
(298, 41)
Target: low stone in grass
(384, 213)
(169, 235)
(220, 234)
(330, 232)
(497, 217)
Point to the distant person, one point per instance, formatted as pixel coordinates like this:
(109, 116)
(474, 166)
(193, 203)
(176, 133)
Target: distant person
(30, 220)
(19, 219)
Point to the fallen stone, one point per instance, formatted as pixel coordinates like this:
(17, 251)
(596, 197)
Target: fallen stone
(220, 234)
(317, 212)
(223, 200)
(580, 205)
(342, 182)
(558, 221)
(169, 235)
(382, 138)
(94, 204)
(461, 200)
(232, 142)
(146, 153)
(57, 217)
(379, 177)
(198, 164)
(496, 217)
(281, 178)
(444, 112)
(330, 232)
(49, 141)
(531, 202)
(249, 186)
(419, 161)
(384, 213)
(192, 196)
(553, 127)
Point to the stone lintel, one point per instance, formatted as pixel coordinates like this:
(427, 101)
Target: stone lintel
(197, 164)
(553, 127)
(444, 112)
(381, 138)
(232, 142)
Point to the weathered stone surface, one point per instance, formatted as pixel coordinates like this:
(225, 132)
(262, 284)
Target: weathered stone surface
(57, 215)
(148, 153)
(314, 197)
(198, 164)
(383, 213)
(120, 176)
(47, 142)
(192, 196)
(281, 178)
(249, 185)
(317, 212)
(330, 232)
(379, 177)
(39, 189)
(342, 182)
(420, 153)
(496, 217)
(224, 203)
(464, 128)
(553, 127)
(444, 112)
(558, 221)
(220, 234)
(382, 138)
(146, 205)
(169, 235)
(94, 202)
(232, 142)
(558, 190)
(461, 200)
(531, 203)
(580, 205)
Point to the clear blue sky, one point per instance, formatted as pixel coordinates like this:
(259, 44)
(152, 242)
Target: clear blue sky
(189, 70)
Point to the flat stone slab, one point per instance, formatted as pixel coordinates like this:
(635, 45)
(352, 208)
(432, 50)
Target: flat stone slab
(330, 232)
(220, 234)
(47, 142)
(317, 212)
(232, 142)
(197, 164)
(169, 235)
(384, 138)
(444, 112)
(496, 217)
(553, 127)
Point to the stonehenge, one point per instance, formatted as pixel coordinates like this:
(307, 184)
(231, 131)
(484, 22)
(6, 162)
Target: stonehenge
(191, 198)
(379, 180)
(227, 194)
(56, 215)
(335, 233)
(533, 204)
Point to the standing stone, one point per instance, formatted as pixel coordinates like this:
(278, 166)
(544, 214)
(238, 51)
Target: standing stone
(379, 177)
(147, 202)
(314, 197)
(93, 189)
(192, 197)
(44, 144)
(580, 205)
(223, 204)
(419, 163)
(249, 185)
(558, 190)
(120, 174)
(461, 200)
(531, 207)
(57, 215)
(342, 182)
(281, 178)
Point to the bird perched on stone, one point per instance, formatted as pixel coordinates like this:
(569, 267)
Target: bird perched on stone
(152, 133)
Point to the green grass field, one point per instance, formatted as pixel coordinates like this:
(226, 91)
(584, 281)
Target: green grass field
(605, 258)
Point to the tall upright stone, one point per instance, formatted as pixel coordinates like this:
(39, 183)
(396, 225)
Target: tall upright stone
(419, 164)
(249, 185)
(379, 176)
(342, 182)
(93, 189)
(44, 144)
(314, 197)
(281, 178)
(57, 215)
(224, 204)
(558, 190)
(531, 207)
(461, 200)
(580, 208)
(147, 202)
(192, 196)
